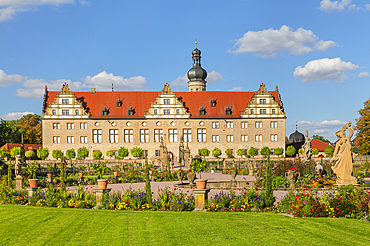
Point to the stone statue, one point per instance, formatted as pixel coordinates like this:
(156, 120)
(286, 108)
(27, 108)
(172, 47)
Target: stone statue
(342, 157)
(306, 147)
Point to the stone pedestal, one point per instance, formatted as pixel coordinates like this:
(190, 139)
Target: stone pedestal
(201, 197)
(82, 180)
(19, 182)
(49, 180)
(100, 192)
(31, 192)
(116, 179)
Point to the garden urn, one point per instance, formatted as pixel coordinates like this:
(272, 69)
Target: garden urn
(50, 175)
(201, 184)
(180, 176)
(115, 174)
(81, 174)
(102, 183)
(292, 176)
(191, 177)
(233, 175)
(33, 183)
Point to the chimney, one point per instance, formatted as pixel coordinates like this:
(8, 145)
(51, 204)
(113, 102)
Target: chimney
(93, 91)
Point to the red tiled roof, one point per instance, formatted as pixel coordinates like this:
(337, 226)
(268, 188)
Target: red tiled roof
(141, 100)
(27, 147)
(319, 145)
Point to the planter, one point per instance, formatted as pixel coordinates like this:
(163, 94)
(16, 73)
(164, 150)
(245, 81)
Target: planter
(180, 176)
(115, 174)
(201, 184)
(150, 172)
(233, 174)
(50, 175)
(292, 176)
(33, 183)
(191, 177)
(102, 183)
(81, 175)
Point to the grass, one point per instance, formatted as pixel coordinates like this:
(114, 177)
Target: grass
(25, 225)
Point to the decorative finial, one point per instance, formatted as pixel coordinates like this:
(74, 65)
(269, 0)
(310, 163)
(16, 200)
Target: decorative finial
(112, 87)
(196, 38)
(296, 125)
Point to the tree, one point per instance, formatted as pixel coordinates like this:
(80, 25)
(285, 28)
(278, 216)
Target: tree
(9, 132)
(290, 151)
(70, 154)
(3, 153)
(278, 151)
(315, 151)
(229, 153)
(122, 152)
(42, 153)
(240, 152)
(204, 152)
(31, 124)
(265, 151)
(321, 138)
(97, 154)
(253, 151)
(137, 152)
(329, 150)
(216, 152)
(109, 153)
(57, 154)
(82, 152)
(363, 129)
(15, 151)
(29, 154)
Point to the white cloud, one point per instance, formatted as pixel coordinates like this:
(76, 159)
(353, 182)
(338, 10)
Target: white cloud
(14, 115)
(367, 6)
(85, 3)
(212, 77)
(327, 124)
(324, 69)
(364, 74)
(329, 6)
(6, 80)
(321, 131)
(34, 88)
(9, 8)
(268, 43)
(239, 88)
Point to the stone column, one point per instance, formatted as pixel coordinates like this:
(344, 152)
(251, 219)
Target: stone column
(100, 192)
(31, 192)
(19, 182)
(201, 197)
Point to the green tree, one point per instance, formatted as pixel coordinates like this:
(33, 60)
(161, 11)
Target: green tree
(240, 152)
(329, 150)
(42, 153)
(363, 129)
(70, 154)
(278, 151)
(265, 151)
(15, 151)
(82, 152)
(57, 154)
(315, 151)
(122, 152)
(97, 154)
(229, 153)
(137, 152)
(290, 151)
(29, 154)
(9, 132)
(3, 153)
(321, 138)
(204, 152)
(253, 151)
(31, 124)
(216, 152)
(109, 153)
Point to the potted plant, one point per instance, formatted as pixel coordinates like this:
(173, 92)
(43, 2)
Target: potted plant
(200, 166)
(48, 168)
(31, 170)
(82, 170)
(100, 169)
(115, 170)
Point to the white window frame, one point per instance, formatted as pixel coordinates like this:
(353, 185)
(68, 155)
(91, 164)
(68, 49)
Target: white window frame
(166, 111)
(56, 139)
(215, 138)
(128, 135)
(172, 135)
(83, 125)
(244, 138)
(56, 126)
(258, 124)
(229, 124)
(202, 135)
(113, 136)
(186, 134)
(263, 111)
(274, 138)
(273, 124)
(258, 138)
(166, 101)
(83, 139)
(158, 134)
(215, 125)
(97, 135)
(144, 135)
(70, 139)
(230, 138)
(65, 111)
(70, 126)
(244, 124)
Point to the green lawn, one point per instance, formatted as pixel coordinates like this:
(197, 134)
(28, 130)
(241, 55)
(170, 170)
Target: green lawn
(23, 225)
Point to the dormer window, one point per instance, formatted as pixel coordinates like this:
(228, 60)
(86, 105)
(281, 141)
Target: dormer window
(131, 111)
(119, 103)
(213, 102)
(202, 111)
(105, 111)
(228, 111)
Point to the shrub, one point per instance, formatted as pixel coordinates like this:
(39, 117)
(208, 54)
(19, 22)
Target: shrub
(82, 152)
(137, 152)
(42, 153)
(229, 153)
(57, 154)
(97, 154)
(204, 152)
(122, 152)
(216, 152)
(29, 154)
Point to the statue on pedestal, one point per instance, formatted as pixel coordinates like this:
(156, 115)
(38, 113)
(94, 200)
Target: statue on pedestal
(306, 147)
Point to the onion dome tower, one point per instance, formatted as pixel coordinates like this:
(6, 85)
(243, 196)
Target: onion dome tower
(296, 137)
(197, 74)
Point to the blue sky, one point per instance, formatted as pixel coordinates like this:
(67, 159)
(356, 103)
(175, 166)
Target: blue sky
(317, 52)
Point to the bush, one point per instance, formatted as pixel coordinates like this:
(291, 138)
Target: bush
(229, 153)
(57, 154)
(29, 154)
(137, 152)
(97, 154)
(122, 152)
(216, 152)
(204, 152)
(82, 152)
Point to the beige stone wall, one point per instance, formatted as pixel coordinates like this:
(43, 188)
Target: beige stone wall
(136, 124)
